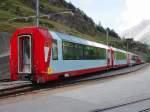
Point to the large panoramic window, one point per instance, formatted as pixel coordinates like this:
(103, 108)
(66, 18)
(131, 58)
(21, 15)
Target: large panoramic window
(120, 55)
(79, 51)
(68, 51)
(74, 51)
(102, 53)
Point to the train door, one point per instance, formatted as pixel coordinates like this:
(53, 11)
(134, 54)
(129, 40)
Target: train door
(24, 54)
(110, 58)
(128, 59)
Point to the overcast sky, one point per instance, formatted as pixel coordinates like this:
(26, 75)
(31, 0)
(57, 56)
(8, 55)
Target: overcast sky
(117, 14)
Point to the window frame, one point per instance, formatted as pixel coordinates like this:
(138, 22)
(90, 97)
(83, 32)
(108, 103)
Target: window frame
(85, 52)
(56, 43)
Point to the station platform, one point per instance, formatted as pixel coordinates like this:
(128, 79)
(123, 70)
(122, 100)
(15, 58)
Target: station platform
(117, 72)
(95, 96)
(13, 84)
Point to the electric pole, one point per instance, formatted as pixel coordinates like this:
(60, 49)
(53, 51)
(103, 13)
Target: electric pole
(107, 36)
(37, 13)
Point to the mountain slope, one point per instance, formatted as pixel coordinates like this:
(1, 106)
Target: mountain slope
(79, 24)
(140, 32)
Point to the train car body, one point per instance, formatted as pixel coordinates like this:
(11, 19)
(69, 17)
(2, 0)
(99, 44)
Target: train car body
(76, 56)
(40, 55)
(120, 58)
(134, 59)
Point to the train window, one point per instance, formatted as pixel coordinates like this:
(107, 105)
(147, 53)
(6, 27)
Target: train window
(78, 51)
(54, 50)
(133, 58)
(74, 51)
(68, 51)
(102, 53)
(97, 53)
(93, 53)
(86, 52)
(120, 56)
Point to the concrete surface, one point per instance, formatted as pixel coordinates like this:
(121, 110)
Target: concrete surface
(116, 72)
(142, 106)
(4, 67)
(87, 97)
(7, 85)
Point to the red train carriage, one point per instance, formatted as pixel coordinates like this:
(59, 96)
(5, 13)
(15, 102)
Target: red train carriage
(27, 53)
(120, 58)
(40, 55)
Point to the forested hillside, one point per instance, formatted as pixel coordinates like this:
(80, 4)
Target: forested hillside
(78, 24)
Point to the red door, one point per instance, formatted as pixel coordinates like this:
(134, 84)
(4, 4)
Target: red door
(110, 58)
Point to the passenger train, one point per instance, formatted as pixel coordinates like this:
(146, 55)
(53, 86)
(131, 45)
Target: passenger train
(40, 55)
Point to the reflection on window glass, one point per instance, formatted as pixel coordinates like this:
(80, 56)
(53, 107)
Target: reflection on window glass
(27, 47)
(54, 50)
(68, 53)
(120, 55)
(75, 51)
(134, 58)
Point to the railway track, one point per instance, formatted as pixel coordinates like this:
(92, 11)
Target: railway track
(30, 88)
(125, 104)
(14, 91)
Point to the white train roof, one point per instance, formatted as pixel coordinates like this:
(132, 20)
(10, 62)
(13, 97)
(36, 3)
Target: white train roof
(119, 50)
(132, 54)
(70, 38)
